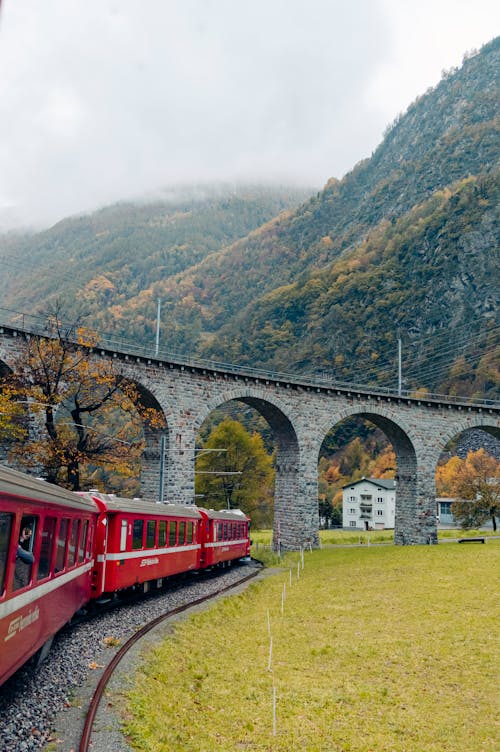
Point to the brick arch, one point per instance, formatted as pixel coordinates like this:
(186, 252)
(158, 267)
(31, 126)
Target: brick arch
(4, 369)
(489, 424)
(410, 514)
(288, 516)
(268, 405)
(378, 415)
(151, 459)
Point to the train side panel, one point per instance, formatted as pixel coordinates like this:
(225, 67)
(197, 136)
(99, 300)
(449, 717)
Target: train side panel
(37, 598)
(226, 536)
(147, 542)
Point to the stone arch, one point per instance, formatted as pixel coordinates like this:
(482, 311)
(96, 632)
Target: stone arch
(488, 424)
(415, 515)
(290, 528)
(154, 467)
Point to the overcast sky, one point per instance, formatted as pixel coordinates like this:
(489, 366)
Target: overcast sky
(103, 100)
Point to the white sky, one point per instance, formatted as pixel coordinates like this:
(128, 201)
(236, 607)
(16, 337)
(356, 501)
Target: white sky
(102, 100)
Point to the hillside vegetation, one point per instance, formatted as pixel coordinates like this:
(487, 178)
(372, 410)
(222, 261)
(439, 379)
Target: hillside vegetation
(405, 245)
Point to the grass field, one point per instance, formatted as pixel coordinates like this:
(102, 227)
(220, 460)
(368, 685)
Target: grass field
(374, 649)
(345, 537)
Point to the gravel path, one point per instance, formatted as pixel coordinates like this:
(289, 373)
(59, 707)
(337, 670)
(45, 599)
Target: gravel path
(30, 701)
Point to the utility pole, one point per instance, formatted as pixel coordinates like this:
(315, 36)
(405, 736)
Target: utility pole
(158, 327)
(400, 380)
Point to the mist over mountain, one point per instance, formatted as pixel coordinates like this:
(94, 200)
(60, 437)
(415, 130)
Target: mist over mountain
(405, 246)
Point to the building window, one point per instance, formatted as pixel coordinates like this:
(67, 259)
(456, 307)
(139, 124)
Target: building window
(352, 523)
(352, 498)
(380, 512)
(352, 511)
(380, 499)
(445, 507)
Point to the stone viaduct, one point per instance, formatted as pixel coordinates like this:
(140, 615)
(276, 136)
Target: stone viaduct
(300, 413)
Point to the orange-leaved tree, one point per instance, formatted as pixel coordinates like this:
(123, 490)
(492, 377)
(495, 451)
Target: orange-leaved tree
(86, 414)
(476, 487)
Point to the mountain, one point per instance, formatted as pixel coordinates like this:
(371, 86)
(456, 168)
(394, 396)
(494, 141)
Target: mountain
(106, 258)
(403, 246)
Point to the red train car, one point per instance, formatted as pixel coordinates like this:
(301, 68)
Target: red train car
(226, 536)
(46, 560)
(140, 543)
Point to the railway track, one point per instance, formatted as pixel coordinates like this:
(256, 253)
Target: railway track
(40, 706)
(86, 737)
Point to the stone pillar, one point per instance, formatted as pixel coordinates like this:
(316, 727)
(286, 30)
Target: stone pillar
(415, 499)
(150, 465)
(296, 520)
(179, 476)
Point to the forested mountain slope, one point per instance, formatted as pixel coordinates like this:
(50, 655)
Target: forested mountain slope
(93, 261)
(406, 244)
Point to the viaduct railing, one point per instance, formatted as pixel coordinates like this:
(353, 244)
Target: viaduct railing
(37, 325)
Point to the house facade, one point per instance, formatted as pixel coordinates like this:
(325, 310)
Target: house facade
(369, 504)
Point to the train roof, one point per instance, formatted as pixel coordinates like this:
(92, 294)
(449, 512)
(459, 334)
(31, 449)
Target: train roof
(26, 486)
(114, 503)
(233, 515)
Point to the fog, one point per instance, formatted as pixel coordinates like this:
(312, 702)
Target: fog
(111, 100)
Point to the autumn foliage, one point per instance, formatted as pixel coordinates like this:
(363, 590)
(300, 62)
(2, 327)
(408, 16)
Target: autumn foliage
(82, 414)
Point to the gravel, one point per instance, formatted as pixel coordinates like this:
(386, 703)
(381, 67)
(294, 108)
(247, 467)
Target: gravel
(30, 700)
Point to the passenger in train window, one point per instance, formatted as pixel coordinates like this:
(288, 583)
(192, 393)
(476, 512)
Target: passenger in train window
(23, 552)
(24, 560)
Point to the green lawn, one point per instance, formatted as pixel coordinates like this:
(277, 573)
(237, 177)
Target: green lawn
(342, 536)
(378, 648)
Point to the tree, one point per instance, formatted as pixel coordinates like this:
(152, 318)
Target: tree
(446, 474)
(477, 490)
(11, 415)
(241, 476)
(86, 414)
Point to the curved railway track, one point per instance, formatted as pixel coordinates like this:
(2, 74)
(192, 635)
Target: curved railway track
(85, 741)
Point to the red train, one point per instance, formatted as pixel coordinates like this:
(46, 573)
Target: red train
(60, 551)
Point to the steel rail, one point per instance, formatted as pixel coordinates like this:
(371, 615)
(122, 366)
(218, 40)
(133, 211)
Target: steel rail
(85, 740)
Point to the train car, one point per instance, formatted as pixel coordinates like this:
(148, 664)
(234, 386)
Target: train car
(226, 536)
(140, 543)
(46, 561)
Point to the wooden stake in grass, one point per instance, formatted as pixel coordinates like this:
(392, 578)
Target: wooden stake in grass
(290, 578)
(270, 657)
(268, 623)
(283, 595)
(298, 570)
(274, 711)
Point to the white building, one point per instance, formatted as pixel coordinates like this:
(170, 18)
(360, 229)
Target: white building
(369, 504)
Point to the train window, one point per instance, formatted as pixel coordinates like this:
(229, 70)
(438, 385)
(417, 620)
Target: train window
(162, 533)
(150, 533)
(219, 531)
(46, 548)
(83, 537)
(62, 539)
(90, 537)
(182, 533)
(172, 533)
(24, 561)
(189, 533)
(73, 542)
(123, 535)
(225, 531)
(83, 541)
(137, 534)
(5, 529)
